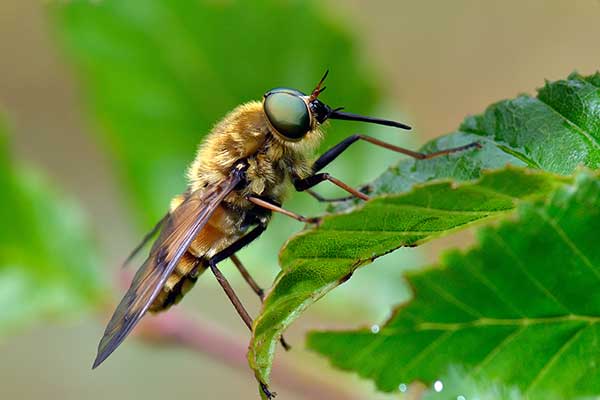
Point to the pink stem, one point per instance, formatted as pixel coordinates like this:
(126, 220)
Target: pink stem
(174, 328)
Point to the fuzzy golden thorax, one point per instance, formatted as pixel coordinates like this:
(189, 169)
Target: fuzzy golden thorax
(245, 134)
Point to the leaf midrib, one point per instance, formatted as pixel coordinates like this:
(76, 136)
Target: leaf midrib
(577, 128)
(489, 322)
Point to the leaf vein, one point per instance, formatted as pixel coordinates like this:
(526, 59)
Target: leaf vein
(532, 278)
(593, 140)
(564, 347)
(496, 350)
(565, 238)
(490, 285)
(453, 300)
(443, 210)
(425, 351)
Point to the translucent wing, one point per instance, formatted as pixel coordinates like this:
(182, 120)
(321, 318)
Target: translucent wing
(145, 240)
(179, 230)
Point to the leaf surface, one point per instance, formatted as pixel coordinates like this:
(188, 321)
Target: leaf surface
(556, 132)
(523, 308)
(316, 261)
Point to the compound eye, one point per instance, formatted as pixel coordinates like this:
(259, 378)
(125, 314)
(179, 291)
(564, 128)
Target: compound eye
(287, 112)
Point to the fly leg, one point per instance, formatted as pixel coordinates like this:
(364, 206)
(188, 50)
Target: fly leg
(226, 253)
(146, 239)
(313, 180)
(257, 289)
(331, 154)
(339, 148)
(270, 205)
(247, 277)
(235, 300)
(325, 199)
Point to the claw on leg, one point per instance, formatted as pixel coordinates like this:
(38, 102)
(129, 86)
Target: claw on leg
(266, 391)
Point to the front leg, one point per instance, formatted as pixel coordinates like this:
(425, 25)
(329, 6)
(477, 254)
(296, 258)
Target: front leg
(334, 152)
(302, 184)
(326, 199)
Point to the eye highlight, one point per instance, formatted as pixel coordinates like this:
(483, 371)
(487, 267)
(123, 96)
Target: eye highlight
(287, 112)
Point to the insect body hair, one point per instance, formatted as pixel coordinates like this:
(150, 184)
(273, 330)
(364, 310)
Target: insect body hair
(245, 134)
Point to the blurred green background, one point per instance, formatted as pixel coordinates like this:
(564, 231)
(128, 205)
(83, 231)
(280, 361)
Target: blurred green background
(108, 99)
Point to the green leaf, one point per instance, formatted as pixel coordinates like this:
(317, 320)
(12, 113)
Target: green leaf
(48, 266)
(523, 308)
(458, 382)
(156, 93)
(316, 261)
(555, 132)
(160, 74)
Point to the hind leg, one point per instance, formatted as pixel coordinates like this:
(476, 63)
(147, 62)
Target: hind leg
(255, 287)
(226, 253)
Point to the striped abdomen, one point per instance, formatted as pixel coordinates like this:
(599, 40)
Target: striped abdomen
(179, 283)
(217, 234)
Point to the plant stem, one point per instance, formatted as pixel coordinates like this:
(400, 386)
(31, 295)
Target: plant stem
(174, 328)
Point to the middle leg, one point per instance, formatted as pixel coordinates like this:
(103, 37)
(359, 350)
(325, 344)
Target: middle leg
(272, 206)
(247, 277)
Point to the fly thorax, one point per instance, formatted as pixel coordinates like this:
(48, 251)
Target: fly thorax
(257, 185)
